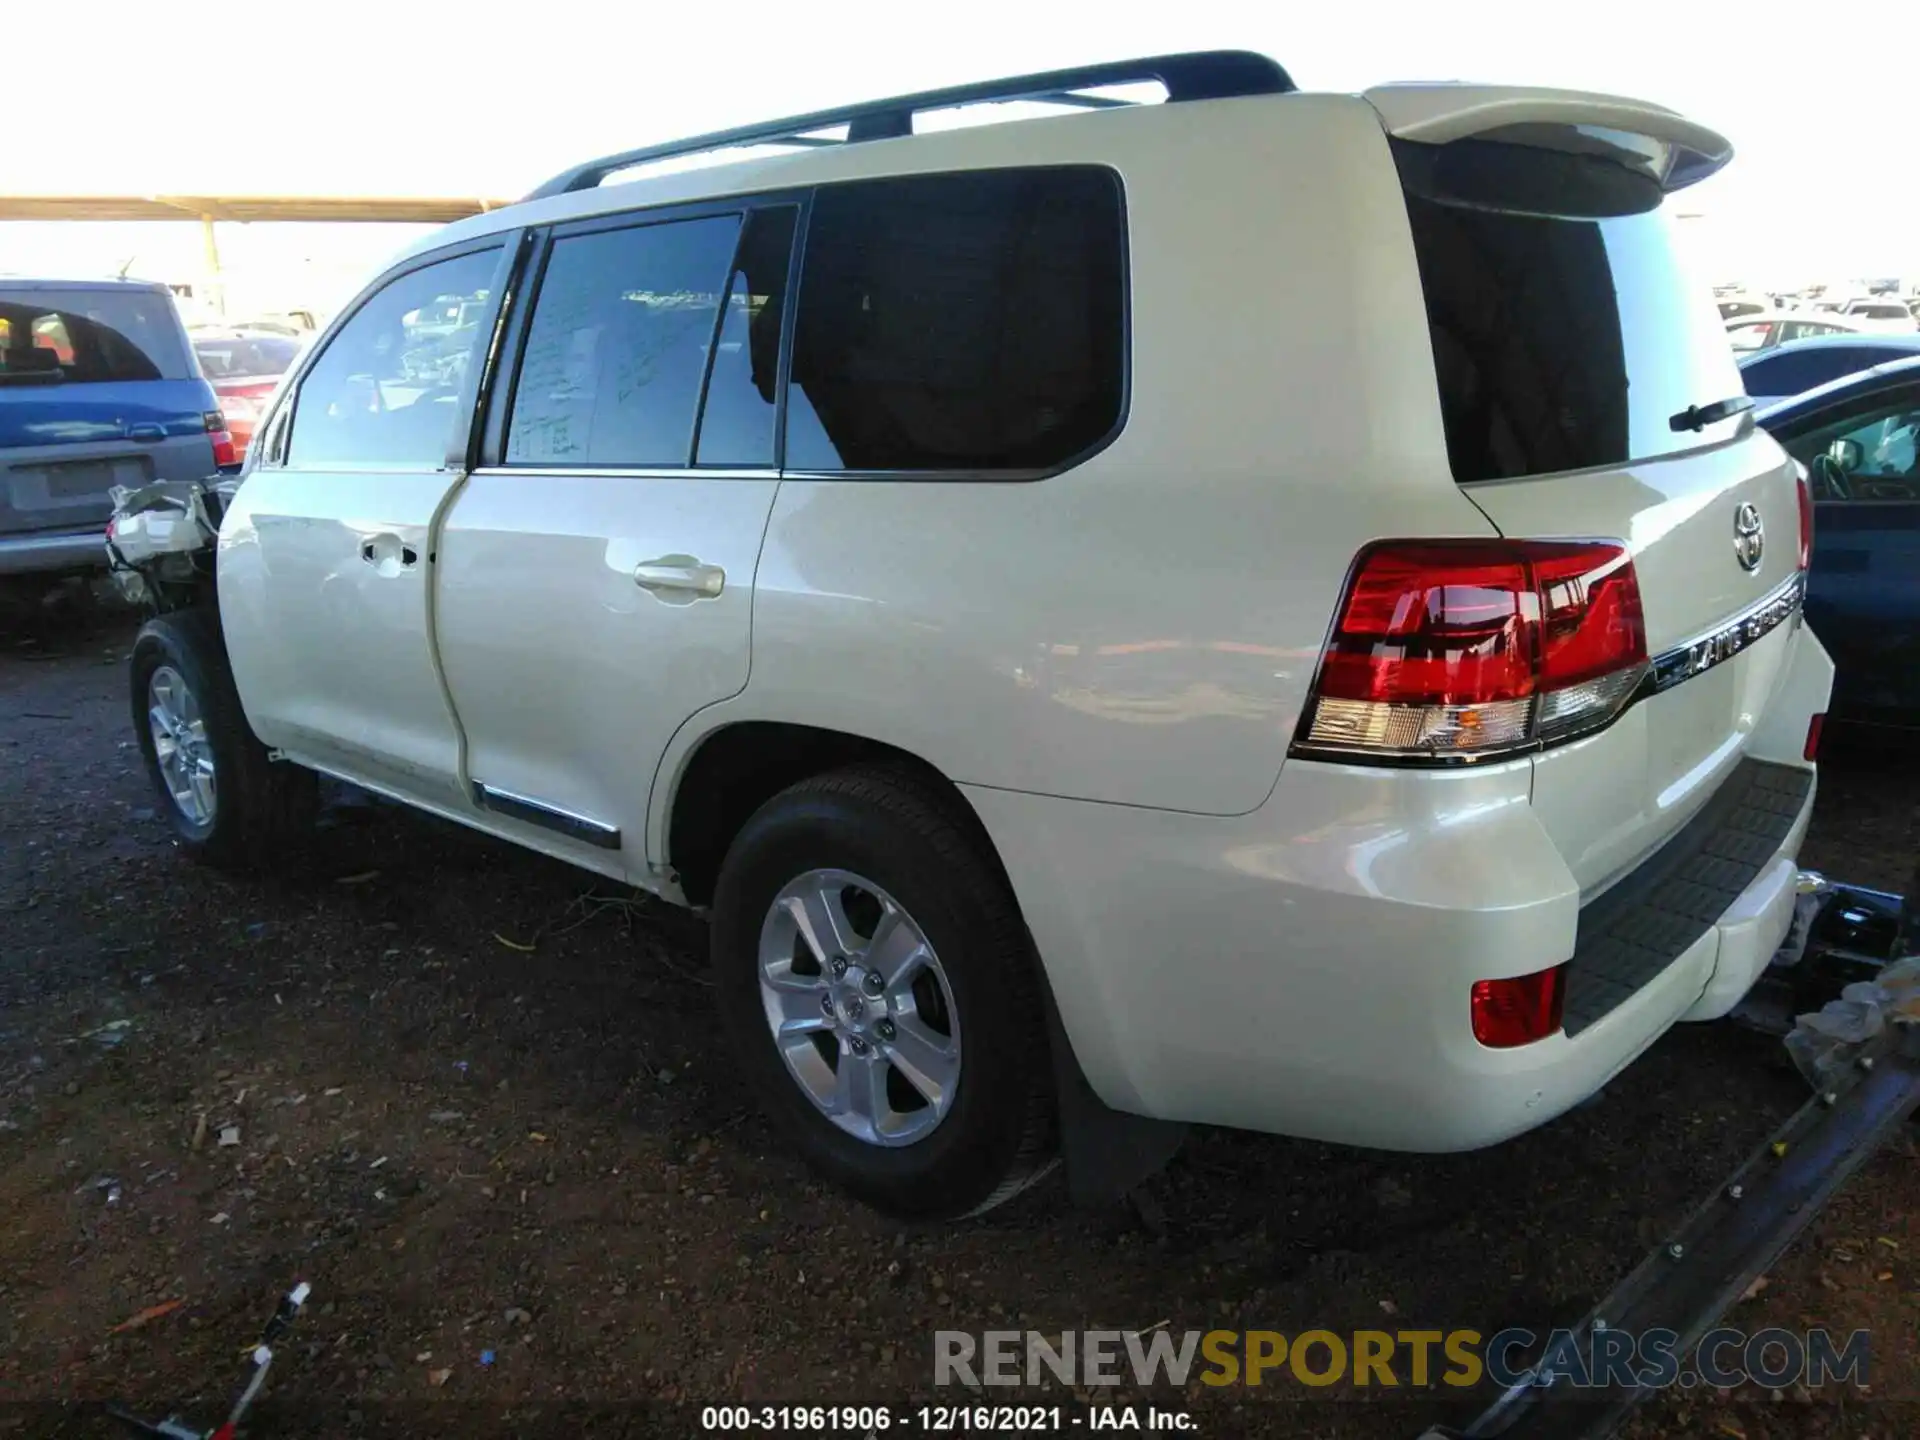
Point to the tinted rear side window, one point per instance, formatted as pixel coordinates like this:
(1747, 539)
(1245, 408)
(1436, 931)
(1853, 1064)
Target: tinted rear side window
(1567, 333)
(617, 349)
(83, 336)
(959, 323)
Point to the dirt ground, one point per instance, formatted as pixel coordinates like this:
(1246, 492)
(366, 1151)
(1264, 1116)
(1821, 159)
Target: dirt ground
(477, 1101)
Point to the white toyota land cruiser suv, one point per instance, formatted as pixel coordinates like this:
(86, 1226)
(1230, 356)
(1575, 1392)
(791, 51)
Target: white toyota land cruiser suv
(1262, 609)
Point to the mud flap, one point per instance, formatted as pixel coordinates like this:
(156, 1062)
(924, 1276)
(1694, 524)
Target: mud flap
(1108, 1153)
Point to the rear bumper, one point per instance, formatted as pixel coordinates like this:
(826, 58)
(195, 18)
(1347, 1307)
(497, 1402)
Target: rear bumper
(1306, 969)
(53, 551)
(1742, 837)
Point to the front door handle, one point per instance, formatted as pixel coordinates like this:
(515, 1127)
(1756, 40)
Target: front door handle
(680, 574)
(388, 554)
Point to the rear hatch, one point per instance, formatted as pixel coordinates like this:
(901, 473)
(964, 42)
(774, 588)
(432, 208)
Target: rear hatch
(97, 388)
(1588, 392)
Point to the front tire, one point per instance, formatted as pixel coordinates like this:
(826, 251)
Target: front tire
(880, 994)
(228, 804)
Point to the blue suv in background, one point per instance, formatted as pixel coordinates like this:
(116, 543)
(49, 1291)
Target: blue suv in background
(98, 387)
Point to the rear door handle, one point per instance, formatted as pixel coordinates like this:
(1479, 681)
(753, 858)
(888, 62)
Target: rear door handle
(680, 574)
(147, 434)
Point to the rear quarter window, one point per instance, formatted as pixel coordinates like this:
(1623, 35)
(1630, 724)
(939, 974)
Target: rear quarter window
(960, 323)
(1567, 331)
(91, 336)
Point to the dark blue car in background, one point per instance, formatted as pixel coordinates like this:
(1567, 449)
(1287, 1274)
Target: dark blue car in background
(1859, 438)
(1798, 366)
(98, 388)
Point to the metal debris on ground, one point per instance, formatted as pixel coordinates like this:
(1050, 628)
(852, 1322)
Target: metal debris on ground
(147, 1316)
(1825, 1042)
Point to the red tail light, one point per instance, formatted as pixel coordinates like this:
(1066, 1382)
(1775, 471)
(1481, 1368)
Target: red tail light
(224, 452)
(1468, 648)
(1805, 492)
(1814, 727)
(1520, 1011)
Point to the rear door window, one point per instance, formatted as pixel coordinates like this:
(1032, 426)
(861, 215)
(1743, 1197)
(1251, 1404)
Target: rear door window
(90, 336)
(617, 349)
(736, 423)
(964, 323)
(386, 391)
(1567, 333)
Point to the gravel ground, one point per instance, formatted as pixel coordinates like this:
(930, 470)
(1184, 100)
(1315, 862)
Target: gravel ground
(476, 1099)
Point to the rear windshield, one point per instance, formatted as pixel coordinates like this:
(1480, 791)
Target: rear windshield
(226, 359)
(1880, 312)
(78, 336)
(1567, 333)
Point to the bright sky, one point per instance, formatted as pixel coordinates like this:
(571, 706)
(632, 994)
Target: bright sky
(474, 97)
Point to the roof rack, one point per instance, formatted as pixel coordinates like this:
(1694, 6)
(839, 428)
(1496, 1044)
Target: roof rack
(1199, 75)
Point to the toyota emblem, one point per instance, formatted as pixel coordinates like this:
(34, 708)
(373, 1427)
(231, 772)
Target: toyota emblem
(1749, 536)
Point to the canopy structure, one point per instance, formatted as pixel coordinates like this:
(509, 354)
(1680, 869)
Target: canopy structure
(244, 209)
(427, 210)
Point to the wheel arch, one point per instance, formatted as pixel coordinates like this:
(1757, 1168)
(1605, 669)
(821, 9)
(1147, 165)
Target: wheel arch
(719, 777)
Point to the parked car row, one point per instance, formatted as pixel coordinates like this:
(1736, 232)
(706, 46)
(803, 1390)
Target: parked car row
(1878, 312)
(1764, 329)
(1882, 307)
(1783, 327)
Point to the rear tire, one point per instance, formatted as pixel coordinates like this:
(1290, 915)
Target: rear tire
(228, 804)
(917, 900)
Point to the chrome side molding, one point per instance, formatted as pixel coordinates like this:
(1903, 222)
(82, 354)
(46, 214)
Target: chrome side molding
(547, 817)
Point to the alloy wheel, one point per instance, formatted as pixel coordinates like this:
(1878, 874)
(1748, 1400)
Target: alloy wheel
(180, 745)
(859, 1007)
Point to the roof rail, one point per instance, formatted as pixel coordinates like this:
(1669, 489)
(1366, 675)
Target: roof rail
(1199, 75)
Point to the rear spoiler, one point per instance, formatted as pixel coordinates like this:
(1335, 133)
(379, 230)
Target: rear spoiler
(1647, 138)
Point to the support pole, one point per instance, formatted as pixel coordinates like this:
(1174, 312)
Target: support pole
(216, 285)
